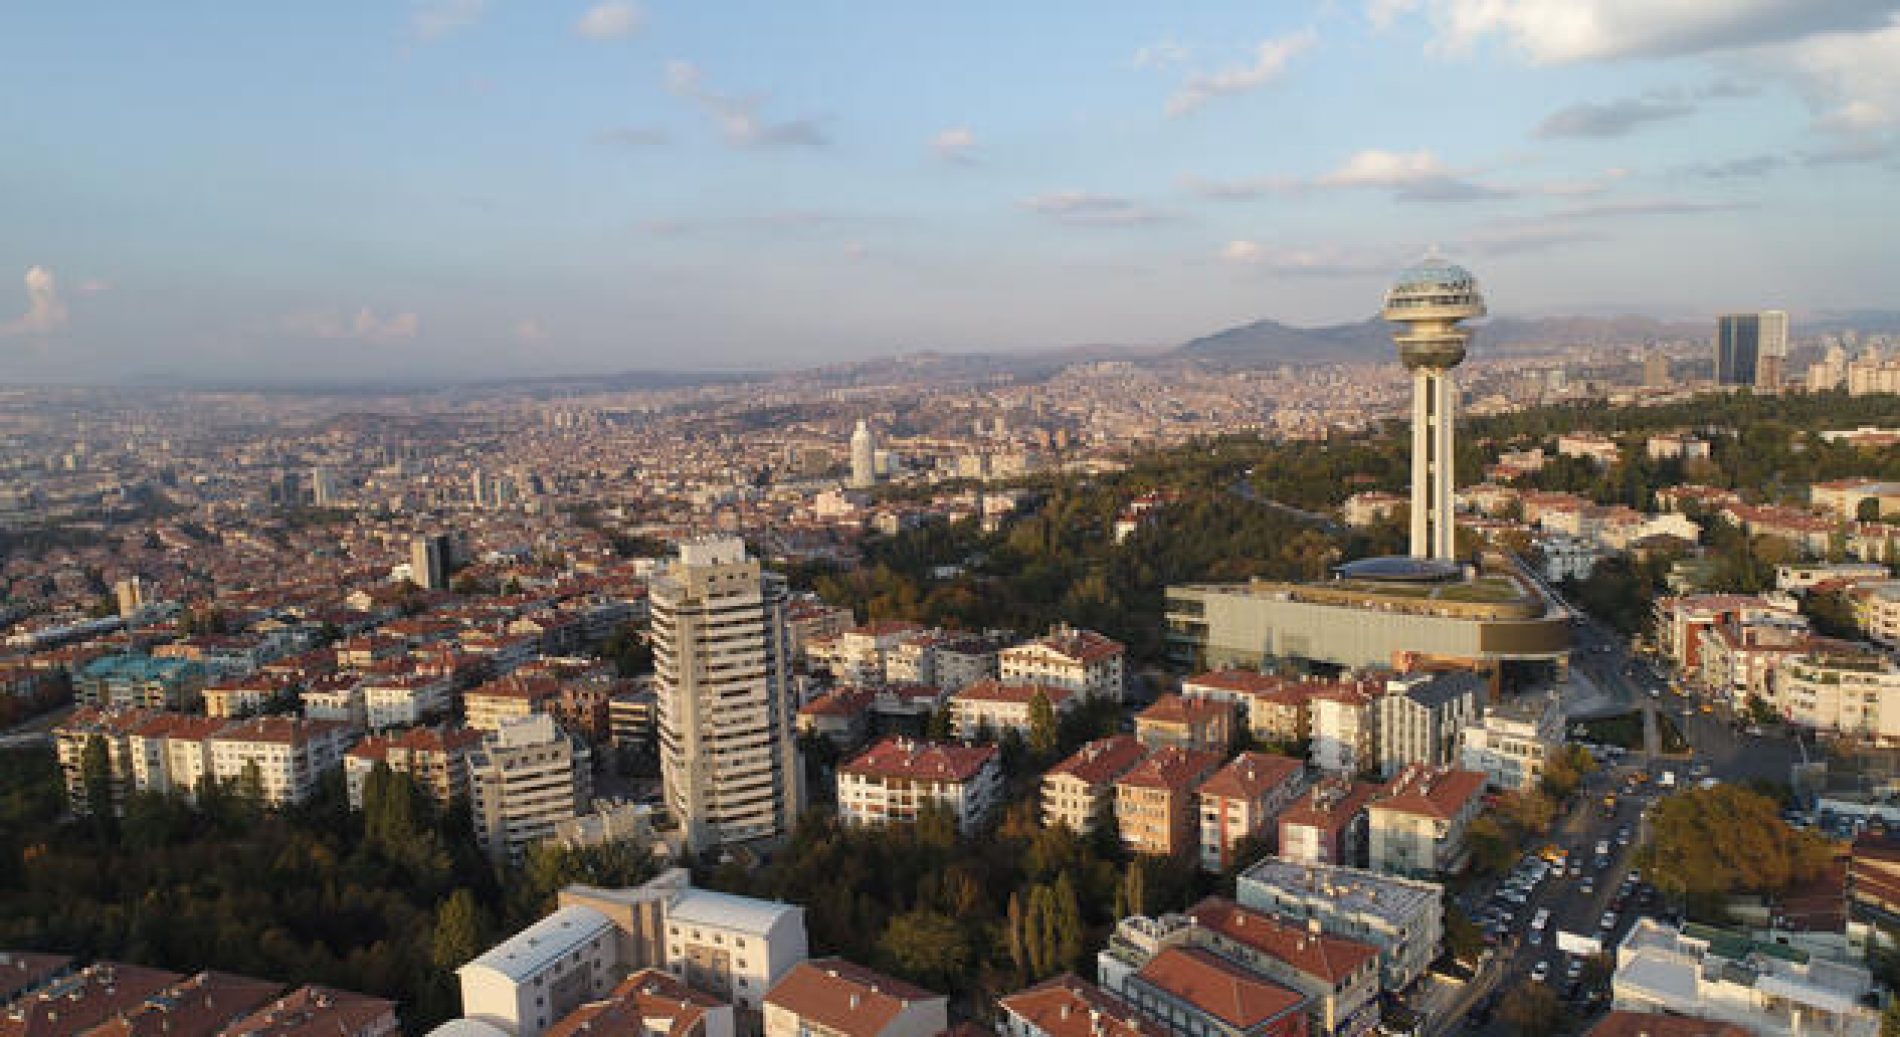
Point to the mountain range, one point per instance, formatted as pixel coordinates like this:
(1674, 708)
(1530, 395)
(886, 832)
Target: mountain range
(1269, 343)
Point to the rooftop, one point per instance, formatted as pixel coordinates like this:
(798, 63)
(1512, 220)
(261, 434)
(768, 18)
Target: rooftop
(1350, 890)
(540, 945)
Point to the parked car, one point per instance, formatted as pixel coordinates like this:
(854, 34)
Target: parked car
(1540, 972)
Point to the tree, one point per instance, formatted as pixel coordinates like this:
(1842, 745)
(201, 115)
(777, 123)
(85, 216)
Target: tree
(1566, 770)
(1531, 1010)
(1726, 839)
(1463, 940)
(1492, 848)
(1042, 726)
(1530, 811)
(95, 776)
(928, 947)
(458, 935)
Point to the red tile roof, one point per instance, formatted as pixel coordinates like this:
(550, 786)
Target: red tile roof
(1101, 761)
(1173, 709)
(315, 1012)
(1329, 805)
(991, 690)
(1172, 768)
(1070, 1006)
(1251, 774)
(844, 997)
(636, 1007)
(894, 757)
(1439, 792)
(1644, 1024)
(1326, 957)
(1223, 990)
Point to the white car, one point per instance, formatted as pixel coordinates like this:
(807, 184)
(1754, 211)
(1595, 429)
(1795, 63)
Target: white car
(1540, 972)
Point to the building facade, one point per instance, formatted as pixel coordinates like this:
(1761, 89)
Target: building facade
(727, 707)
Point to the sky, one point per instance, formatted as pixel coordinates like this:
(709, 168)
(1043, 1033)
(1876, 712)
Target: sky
(481, 188)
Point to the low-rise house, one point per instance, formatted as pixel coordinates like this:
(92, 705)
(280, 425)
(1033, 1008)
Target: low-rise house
(1078, 790)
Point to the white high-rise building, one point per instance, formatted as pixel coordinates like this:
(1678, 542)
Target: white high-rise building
(863, 457)
(1430, 300)
(722, 658)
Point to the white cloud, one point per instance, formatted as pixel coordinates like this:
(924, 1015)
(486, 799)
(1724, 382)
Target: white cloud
(955, 145)
(1376, 168)
(365, 326)
(1560, 31)
(1089, 209)
(434, 19)
(1270, 59)
(1850, 80)
(611, 20)
(1384, 12)
(530, 332)
(45, 310)
(738, 115)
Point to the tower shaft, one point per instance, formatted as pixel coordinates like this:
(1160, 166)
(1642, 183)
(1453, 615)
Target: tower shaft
(1434, 414)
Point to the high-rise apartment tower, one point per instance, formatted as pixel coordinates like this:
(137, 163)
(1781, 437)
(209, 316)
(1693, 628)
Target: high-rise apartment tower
(722, 656)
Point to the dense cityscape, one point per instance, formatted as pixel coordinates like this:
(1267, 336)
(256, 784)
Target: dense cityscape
(636, 637)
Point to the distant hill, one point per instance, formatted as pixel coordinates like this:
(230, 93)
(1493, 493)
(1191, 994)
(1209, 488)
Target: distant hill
(1269, 342)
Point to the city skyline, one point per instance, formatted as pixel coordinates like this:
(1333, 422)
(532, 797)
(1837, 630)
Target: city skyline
(487, 189)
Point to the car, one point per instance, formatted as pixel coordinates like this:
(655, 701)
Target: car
(1602, 863)
(1540, 972)
(1633, 877)
(1535, 938)
(1573, 970)
(1607, 922)
(1623, 836)
(1588, 885)
(1540, 919)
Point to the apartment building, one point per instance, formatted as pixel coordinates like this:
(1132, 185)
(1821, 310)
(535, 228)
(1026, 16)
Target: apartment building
(993, 707)
(435, 757)
(404, 700)
(1416, 824)
(1339, 977)
(1345, 729)
(1326, 824)
(1076, 791)
(1197, 723)
(1403, 918)
(528, 982)
(1770, 990)
(1847, 690)
(523, 780)
(1420, 716)
(896, 778)
(1513, 741)
(288, 755)
(1275, 709)
(1155, 804)
(1242, 801)
(1082, 661)
(726, 702)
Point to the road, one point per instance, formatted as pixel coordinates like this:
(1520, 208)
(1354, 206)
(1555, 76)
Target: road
(1719, 747)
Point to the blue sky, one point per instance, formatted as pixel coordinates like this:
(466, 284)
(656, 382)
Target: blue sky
(485, 187)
